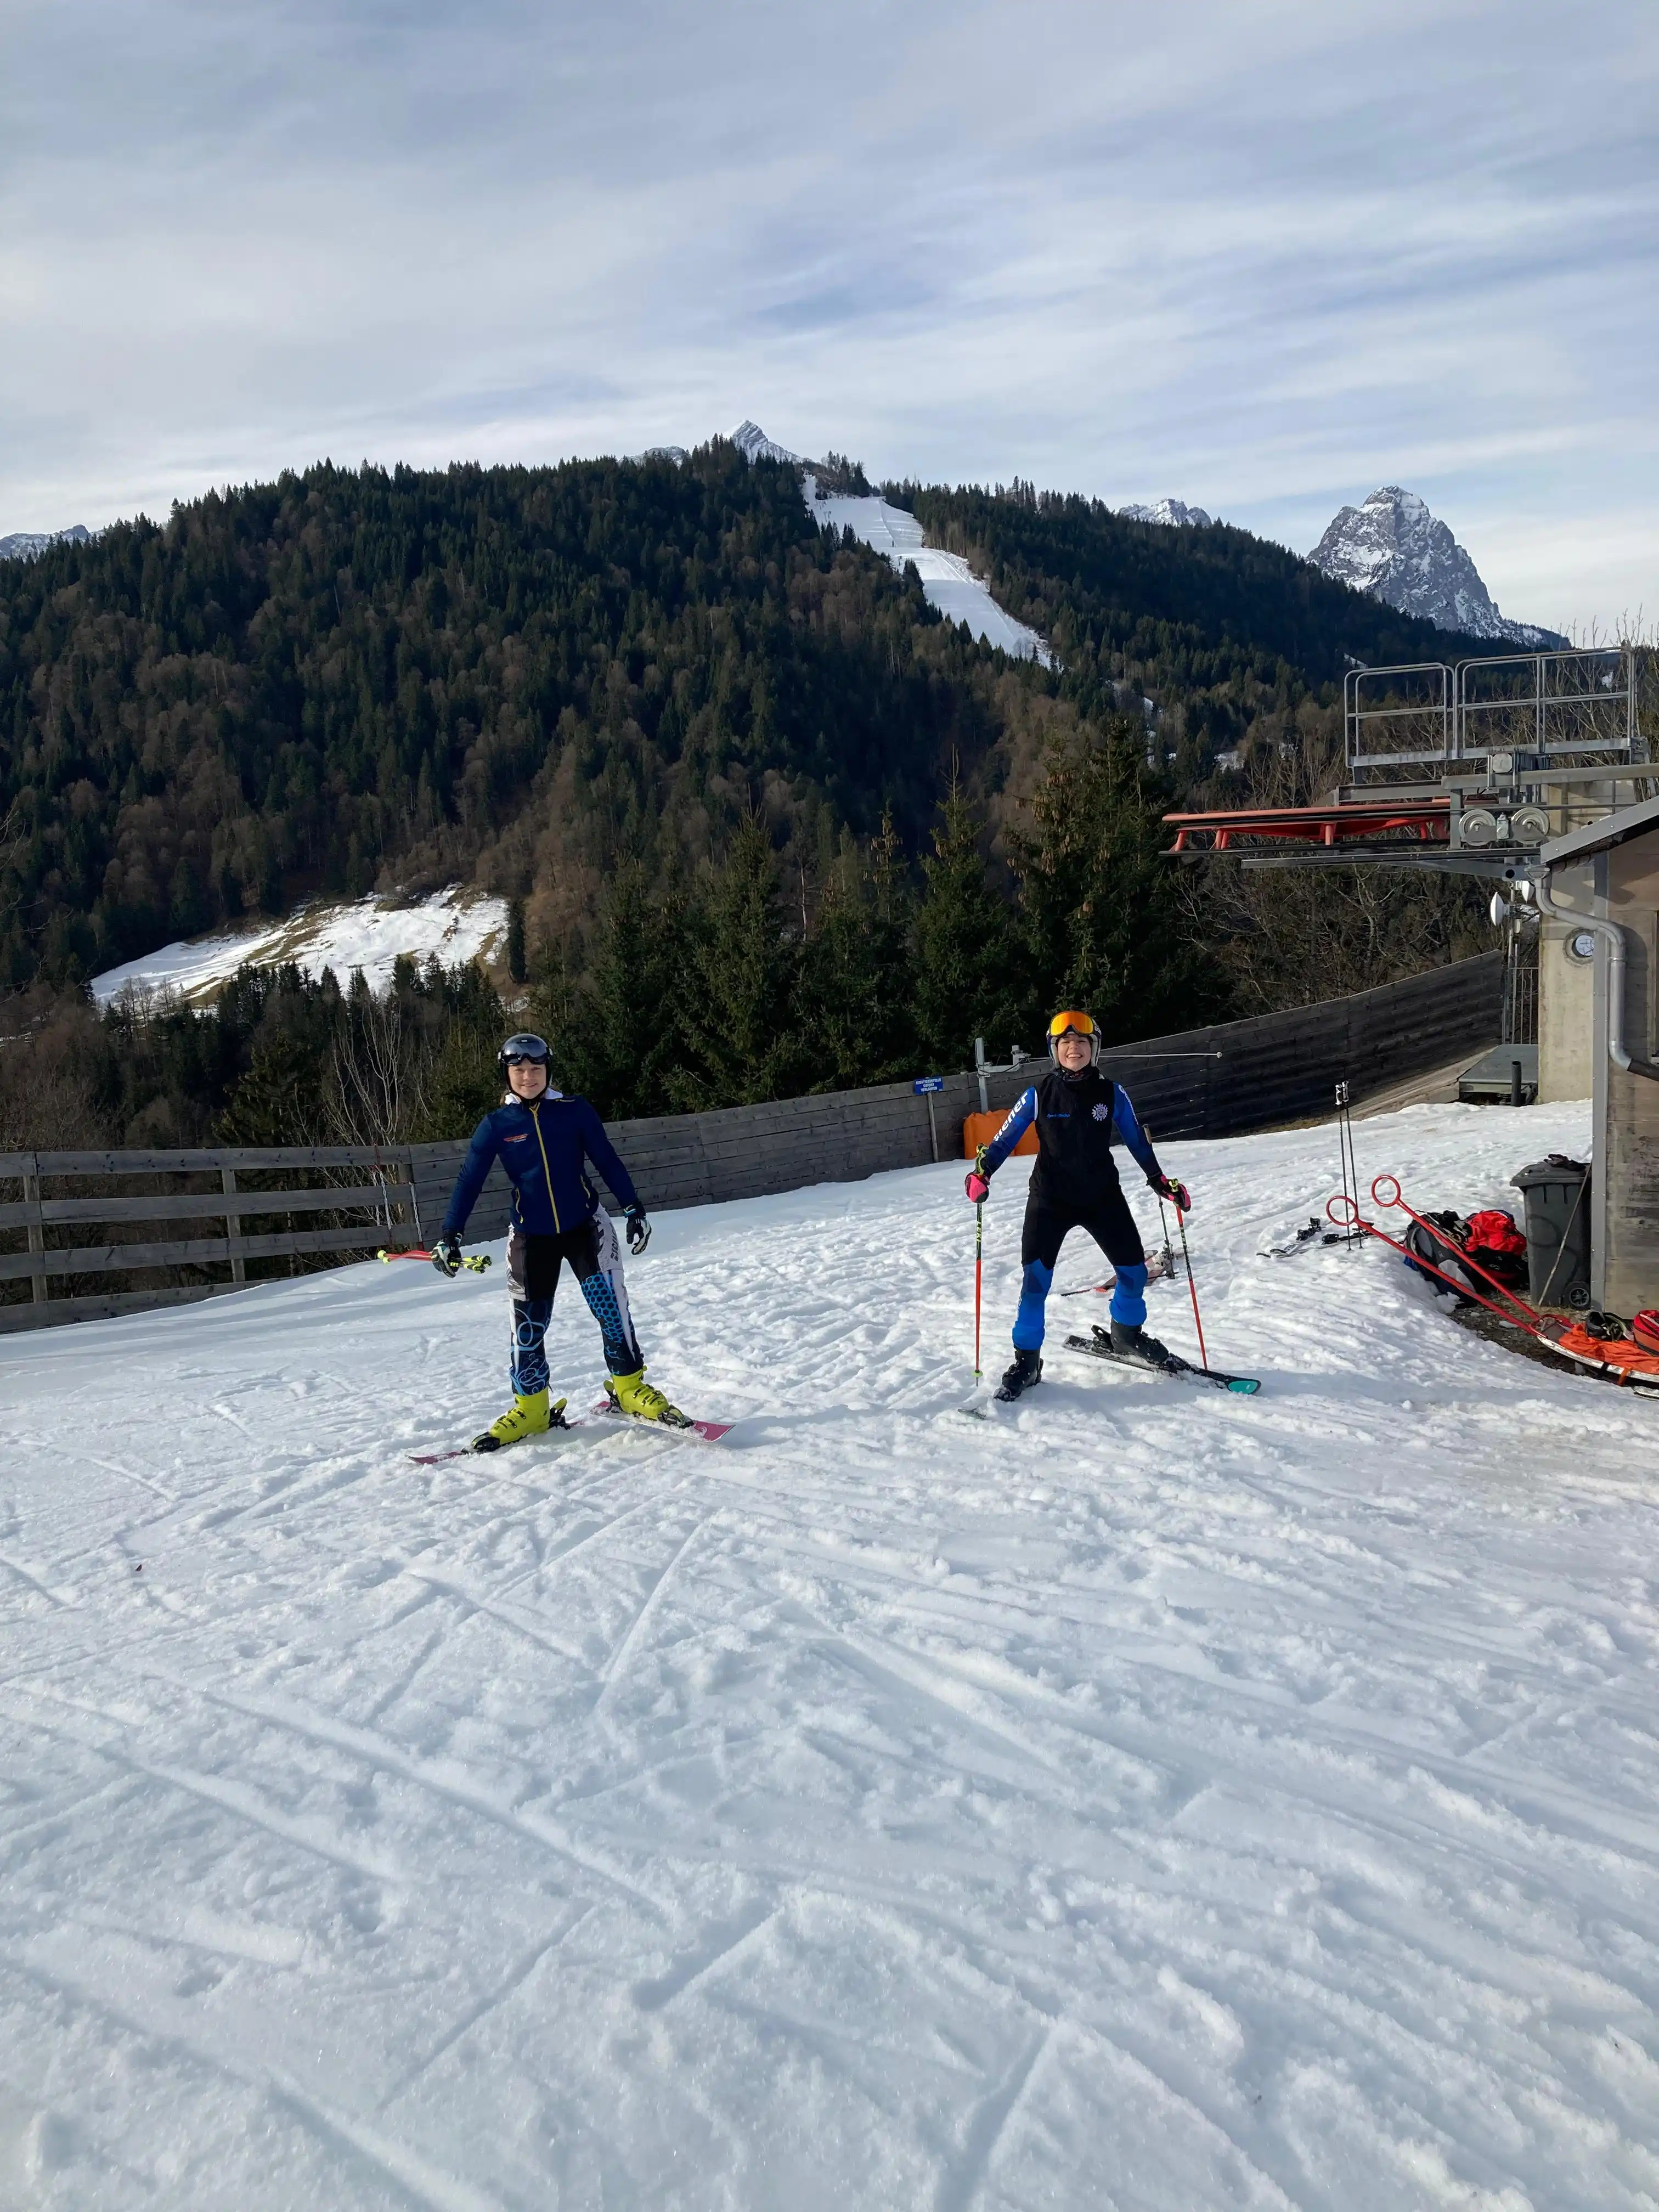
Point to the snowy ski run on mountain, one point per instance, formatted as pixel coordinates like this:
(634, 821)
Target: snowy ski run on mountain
(1145, 1797)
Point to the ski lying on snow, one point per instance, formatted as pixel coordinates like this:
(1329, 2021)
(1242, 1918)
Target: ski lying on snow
(710, 1432)
(1099, 1346)
(1317, 1232)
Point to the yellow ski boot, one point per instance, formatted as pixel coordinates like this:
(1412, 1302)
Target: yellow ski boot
(642, 1401)
(526, 1417)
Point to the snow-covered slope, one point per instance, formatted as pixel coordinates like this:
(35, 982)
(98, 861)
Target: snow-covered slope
(1145, 1798)
(27, 544)
(369, 933)
(947, 582)
(1171, 512)
(1396, 549)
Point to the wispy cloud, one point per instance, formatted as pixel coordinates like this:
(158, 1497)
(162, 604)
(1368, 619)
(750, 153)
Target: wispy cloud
(1264, 257)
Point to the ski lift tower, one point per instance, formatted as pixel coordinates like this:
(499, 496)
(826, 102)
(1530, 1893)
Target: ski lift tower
(1469, 768)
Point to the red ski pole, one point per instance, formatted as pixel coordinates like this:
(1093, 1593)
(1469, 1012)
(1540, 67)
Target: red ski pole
(474, 1263)
(1186, 1261)
(979, 1278)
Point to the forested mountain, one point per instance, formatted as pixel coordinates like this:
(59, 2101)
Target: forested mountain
(768, 823)
(1219, 628)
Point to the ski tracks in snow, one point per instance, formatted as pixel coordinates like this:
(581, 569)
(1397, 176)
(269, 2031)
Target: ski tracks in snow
(1139, 1798)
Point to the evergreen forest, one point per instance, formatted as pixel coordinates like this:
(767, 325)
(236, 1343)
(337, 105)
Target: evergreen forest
(768, 823)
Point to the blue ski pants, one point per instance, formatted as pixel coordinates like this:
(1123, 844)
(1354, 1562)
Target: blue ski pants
(1112, 1225)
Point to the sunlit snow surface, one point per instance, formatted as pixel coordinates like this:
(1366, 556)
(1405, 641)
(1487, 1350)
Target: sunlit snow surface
(369, 933)
(1144, 1798)
(947, 582)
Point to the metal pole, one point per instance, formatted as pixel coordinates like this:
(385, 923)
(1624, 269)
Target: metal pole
(978, 1062)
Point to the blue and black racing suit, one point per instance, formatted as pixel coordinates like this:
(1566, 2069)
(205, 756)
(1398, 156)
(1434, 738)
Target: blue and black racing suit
(1074, 1185)
(543, 1144)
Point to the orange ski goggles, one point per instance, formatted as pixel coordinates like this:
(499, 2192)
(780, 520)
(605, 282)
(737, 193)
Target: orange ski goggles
(1078, 1024)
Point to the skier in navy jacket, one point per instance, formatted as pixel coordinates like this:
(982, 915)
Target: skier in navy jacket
(543, 1140)
(1079, 1115)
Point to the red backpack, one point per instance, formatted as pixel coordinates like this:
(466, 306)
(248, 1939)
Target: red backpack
(1498, 1245)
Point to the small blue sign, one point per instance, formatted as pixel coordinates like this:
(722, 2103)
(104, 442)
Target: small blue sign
(927, 1083)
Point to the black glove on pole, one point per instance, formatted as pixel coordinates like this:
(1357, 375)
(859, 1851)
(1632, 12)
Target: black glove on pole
(446, 1256)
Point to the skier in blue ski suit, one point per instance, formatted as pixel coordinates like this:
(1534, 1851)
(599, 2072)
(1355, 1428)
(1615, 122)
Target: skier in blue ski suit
(544, 1142)
(1079, 1115)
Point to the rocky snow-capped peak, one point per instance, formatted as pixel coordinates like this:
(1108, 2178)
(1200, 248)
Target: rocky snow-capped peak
(1396, 551)
(751, 441)
(29, 544)
(1175, 512)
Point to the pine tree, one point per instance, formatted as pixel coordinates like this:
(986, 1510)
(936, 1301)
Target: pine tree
(518, 964)
(857, 985)
(617, 1036)
(737, 994)
(1101, 924)
(966, 986)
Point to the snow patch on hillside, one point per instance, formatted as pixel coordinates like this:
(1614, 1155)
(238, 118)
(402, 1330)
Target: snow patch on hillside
(369, 933)
(1143, 1795)
(947, 582)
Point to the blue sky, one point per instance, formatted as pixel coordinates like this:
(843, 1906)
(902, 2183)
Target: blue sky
(1261, 257)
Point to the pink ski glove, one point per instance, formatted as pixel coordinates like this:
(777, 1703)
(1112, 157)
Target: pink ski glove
(1167, 1187)
(977, 1187)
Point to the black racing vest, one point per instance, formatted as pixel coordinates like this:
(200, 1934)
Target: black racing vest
(1075, 1167)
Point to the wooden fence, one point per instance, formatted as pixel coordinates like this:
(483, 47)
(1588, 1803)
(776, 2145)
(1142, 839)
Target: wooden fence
(1215, 1082)
(368, 1196)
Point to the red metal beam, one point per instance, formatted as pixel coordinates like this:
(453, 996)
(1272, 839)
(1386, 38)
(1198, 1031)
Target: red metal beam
(1428, 820)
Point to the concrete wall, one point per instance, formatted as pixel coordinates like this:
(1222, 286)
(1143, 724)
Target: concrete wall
(1275, 1068)
(1625, 1225)
(1566, 999)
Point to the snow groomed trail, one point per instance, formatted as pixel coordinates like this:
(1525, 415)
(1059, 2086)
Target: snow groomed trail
(1146, 1799)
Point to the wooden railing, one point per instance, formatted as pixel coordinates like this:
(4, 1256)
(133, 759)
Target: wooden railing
(370, 1196)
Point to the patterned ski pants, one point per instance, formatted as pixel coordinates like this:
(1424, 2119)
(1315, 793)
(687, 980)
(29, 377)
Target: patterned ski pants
(534, 1264)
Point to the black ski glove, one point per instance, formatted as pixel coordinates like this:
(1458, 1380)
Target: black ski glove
(446, 1256)
(1167, 1187)
(639, 1228)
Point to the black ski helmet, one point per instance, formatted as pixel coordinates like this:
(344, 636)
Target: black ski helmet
(1078, 1024)
(525, 1046)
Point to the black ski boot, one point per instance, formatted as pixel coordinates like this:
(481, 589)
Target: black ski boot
(1130, 1341)
(1026, 1369)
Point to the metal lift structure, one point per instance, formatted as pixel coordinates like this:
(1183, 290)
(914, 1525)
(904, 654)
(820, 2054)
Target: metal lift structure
(1468, 768)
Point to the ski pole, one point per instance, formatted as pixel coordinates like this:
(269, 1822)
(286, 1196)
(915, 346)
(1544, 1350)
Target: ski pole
(474, 1263)
(979, 1278)
(1186, 1261)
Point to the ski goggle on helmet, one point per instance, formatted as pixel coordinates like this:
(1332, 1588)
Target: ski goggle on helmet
(1073, 1025)
(521, 1051)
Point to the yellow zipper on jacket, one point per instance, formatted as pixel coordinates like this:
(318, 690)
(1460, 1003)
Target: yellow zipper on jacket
(536, 1116)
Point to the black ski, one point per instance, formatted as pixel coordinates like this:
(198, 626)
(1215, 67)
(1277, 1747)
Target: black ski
(1099, 1346)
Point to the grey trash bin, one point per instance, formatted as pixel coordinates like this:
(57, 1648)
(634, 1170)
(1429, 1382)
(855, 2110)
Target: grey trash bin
(1557, 1192)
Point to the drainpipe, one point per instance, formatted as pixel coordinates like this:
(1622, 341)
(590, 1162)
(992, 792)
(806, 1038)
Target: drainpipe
(1613, 937)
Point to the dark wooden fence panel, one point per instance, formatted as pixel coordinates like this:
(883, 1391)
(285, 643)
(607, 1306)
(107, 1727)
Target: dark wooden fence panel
(1247, 1075)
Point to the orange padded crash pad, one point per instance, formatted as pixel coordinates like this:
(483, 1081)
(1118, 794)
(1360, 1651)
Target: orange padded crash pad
(978, 1129)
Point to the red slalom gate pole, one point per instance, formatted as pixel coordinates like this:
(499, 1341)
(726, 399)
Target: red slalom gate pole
(1186, 1261)
(1356, 1221)
(1463, 1258)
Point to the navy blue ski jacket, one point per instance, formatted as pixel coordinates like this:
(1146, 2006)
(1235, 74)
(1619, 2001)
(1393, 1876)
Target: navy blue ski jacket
(542, 1145)
(1078, 1119)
